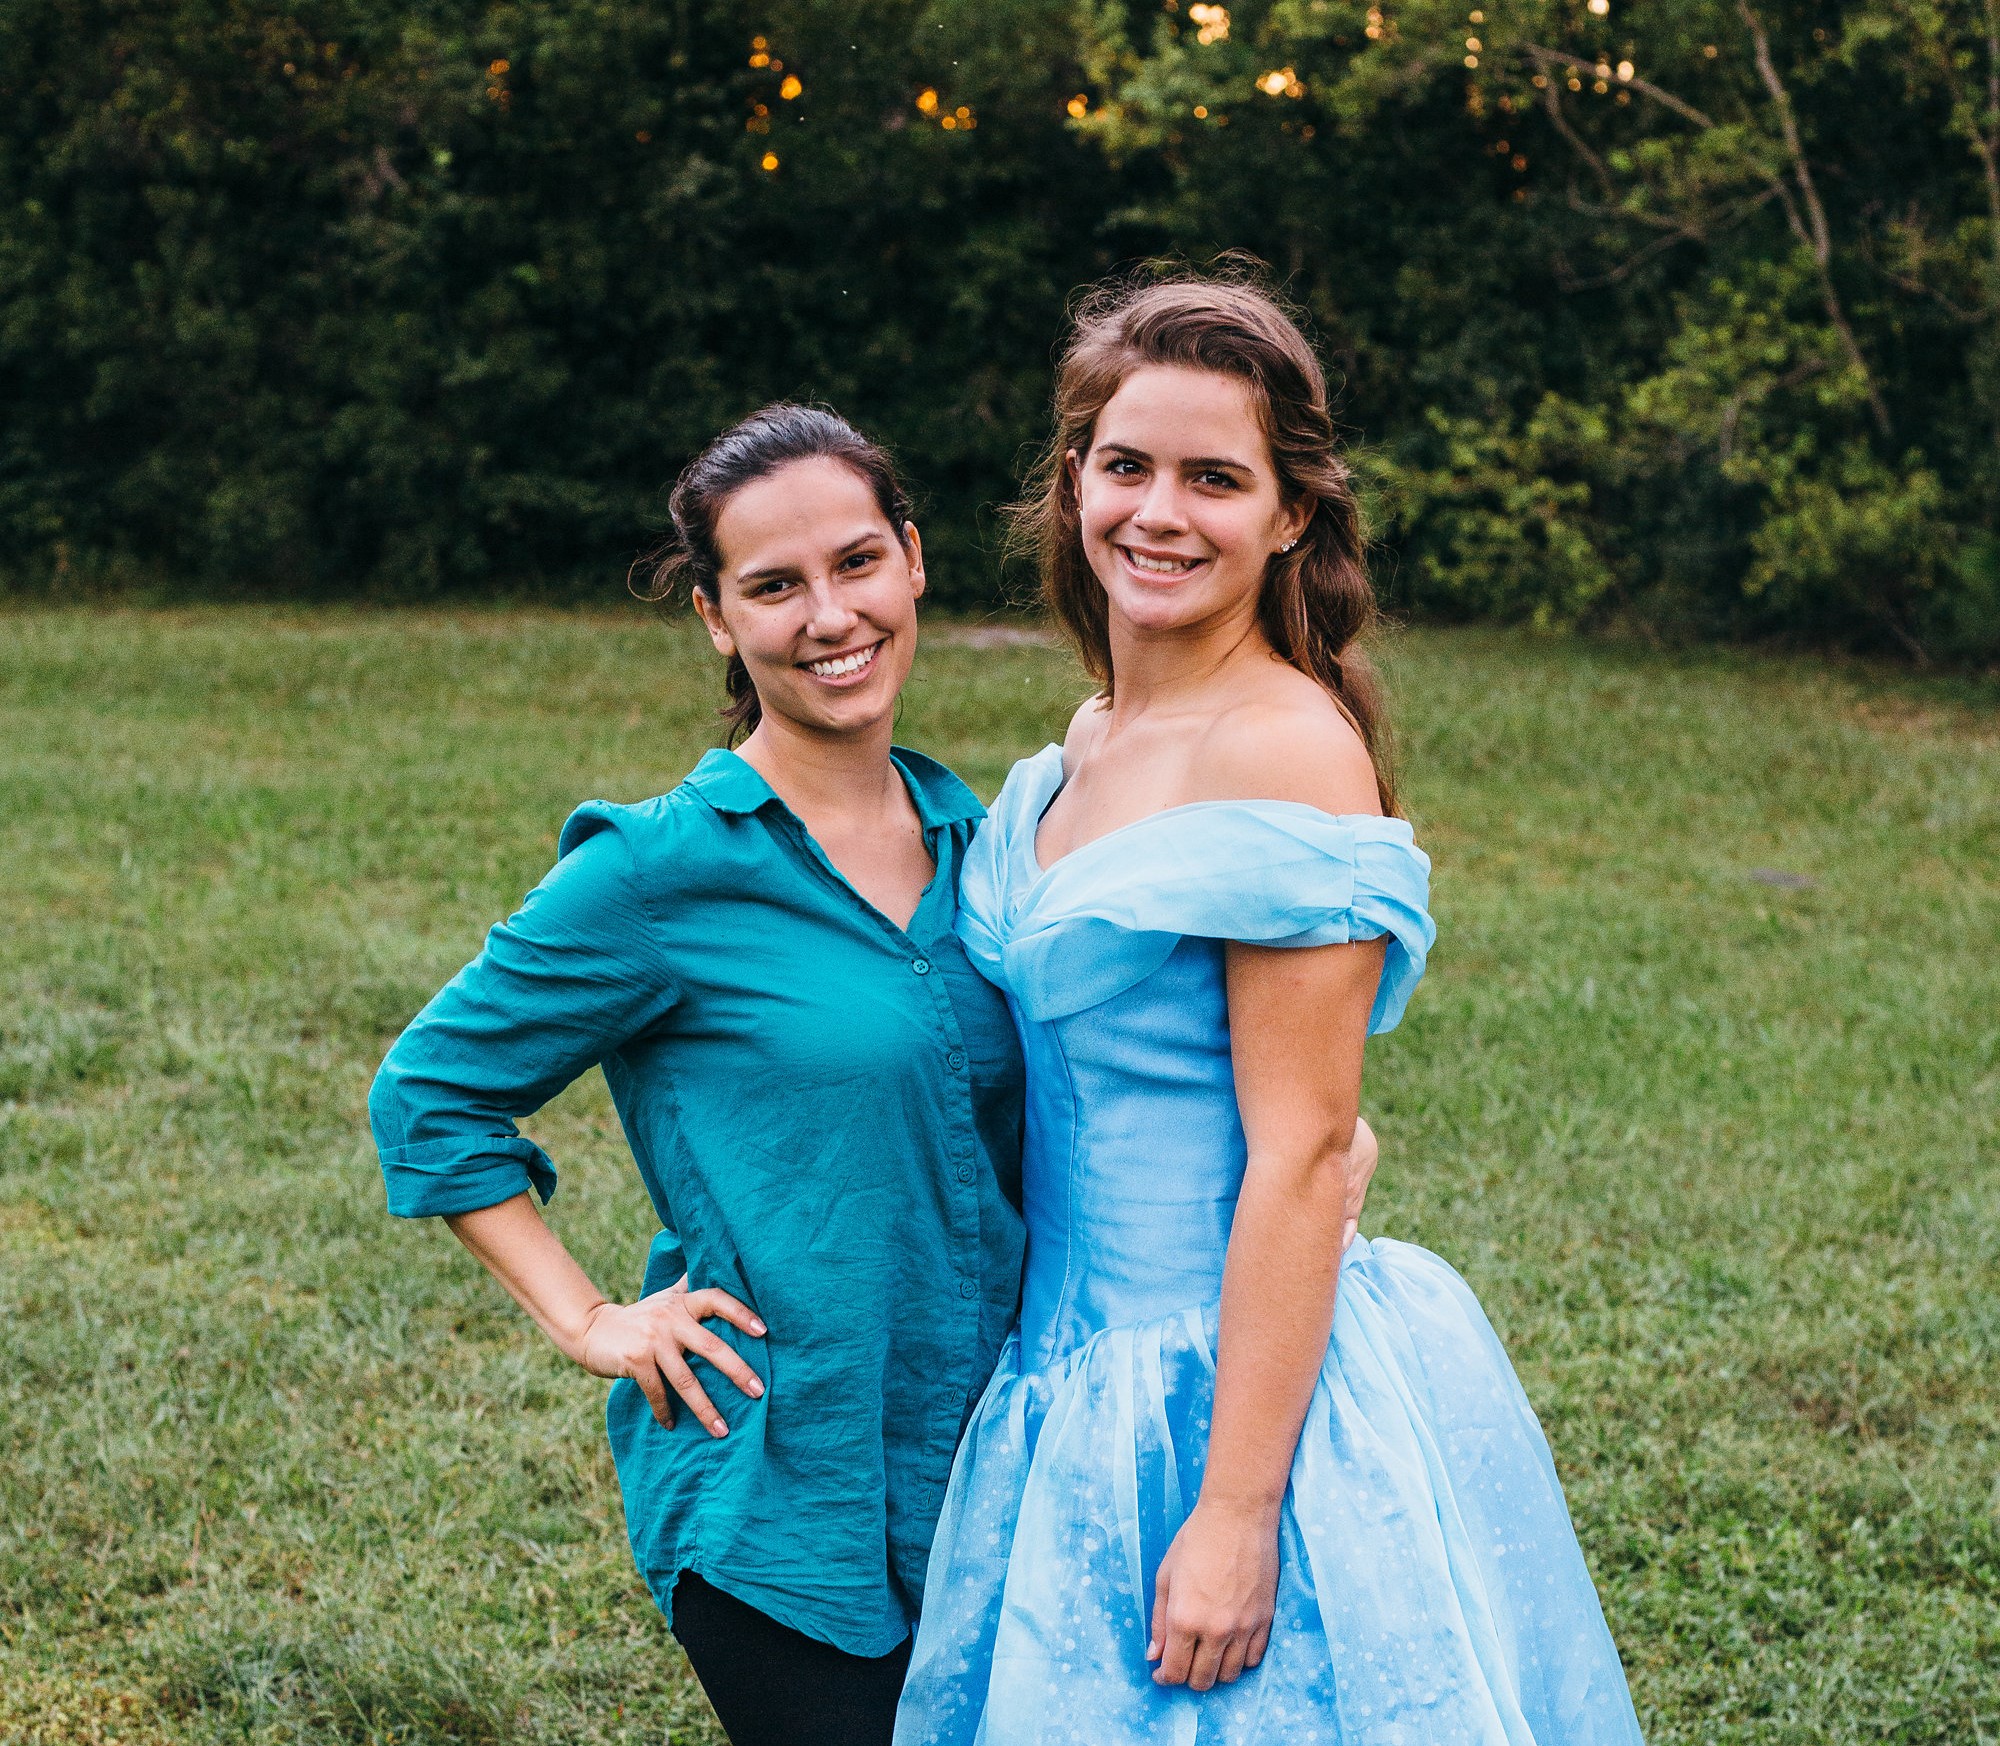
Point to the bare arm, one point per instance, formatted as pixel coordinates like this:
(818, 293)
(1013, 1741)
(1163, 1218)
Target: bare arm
(646, 1341)
(1298, 1021)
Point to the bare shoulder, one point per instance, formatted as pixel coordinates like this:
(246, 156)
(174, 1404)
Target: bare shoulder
(1288, 741)
(1085, 727)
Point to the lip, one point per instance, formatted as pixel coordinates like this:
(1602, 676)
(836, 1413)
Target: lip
(845, 681)
(1158, 578)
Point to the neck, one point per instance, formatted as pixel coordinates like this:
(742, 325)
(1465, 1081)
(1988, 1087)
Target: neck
(1164, 670)
(821, 774)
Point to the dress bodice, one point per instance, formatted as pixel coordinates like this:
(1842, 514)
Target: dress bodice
(1112, 961)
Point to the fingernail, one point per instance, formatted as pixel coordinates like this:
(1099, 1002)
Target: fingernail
(756, 1389)
(756, 1327)
(719, 1428)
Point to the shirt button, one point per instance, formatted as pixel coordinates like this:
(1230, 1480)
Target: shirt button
(965, 1173)
(955, 1060)
(966, 1288)
(922, 966)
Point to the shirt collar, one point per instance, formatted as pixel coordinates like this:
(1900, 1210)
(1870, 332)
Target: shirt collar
(729, 784)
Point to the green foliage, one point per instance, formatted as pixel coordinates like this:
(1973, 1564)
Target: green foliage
(1716, 1154)
(1685, 313)
(392, 300)
(1498, 526)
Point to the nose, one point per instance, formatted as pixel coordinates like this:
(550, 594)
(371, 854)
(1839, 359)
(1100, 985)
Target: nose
(1160, 509)
(831, 617)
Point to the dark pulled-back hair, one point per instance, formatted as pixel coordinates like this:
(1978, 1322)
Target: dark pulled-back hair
(1317, 600)
(769, 439)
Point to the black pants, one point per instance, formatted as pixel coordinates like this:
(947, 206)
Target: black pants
(773, 1686)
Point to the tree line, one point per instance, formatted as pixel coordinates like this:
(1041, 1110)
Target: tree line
(1683, 315)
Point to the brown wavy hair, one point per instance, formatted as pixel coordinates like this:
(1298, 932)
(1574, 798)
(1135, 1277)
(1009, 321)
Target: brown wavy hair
(768, 439)
(1317, 600)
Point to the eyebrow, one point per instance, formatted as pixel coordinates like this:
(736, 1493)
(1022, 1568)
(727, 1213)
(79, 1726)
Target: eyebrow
(1186, 460)
(779, 572)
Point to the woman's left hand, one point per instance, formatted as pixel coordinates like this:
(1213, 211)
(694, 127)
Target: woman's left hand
(1217, 1588)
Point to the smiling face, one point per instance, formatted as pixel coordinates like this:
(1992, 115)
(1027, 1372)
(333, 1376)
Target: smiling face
(818, 596)
(1178, 499)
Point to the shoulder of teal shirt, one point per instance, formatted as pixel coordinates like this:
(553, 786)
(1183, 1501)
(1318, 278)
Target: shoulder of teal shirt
(578, 969)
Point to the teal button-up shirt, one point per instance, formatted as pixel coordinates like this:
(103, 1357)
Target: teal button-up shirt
(826, 1111)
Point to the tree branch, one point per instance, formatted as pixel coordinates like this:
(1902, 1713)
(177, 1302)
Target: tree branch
(1987, 139)
(1814, 232)
(1568, 281)
(1553, 104)
(1549, 57)
(1726, 436)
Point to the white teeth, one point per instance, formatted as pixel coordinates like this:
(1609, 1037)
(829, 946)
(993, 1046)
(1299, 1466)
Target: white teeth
(1160, 566)
(845, 665)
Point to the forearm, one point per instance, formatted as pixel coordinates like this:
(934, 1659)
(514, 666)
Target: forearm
(513, 1244)
(1277, 1316)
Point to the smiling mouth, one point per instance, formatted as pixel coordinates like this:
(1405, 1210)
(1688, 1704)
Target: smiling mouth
(1166, 566)
(844, 666)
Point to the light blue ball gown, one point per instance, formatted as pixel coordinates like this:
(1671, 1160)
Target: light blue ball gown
(1430, 1590)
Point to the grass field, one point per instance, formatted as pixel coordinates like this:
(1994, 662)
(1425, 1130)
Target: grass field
(1721, 1156)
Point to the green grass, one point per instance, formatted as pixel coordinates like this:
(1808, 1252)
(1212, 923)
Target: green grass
(1721, 1158)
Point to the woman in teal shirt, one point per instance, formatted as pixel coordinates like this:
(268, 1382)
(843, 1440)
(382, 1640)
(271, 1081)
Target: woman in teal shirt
(822, 1095)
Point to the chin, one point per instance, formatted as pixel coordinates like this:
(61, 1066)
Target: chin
(1162, 609)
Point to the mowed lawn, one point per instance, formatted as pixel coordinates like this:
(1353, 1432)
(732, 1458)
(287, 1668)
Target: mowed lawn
(1702, 1094)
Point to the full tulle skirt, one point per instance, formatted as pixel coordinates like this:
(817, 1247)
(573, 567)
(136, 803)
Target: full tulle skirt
(1431, 1591)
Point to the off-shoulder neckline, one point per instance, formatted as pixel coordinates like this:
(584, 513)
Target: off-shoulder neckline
(1041, 873)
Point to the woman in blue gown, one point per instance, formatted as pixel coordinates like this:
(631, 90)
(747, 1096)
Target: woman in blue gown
(1207, 1497)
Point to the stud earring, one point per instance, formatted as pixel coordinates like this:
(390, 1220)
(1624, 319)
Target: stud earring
(1286, 547)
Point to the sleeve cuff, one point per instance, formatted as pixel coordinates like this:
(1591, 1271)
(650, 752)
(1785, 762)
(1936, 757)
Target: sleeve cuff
(665, 1263)
(459, 1176)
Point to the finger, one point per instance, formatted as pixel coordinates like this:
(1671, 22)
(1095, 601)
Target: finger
(690, 1391)
(726, 1359)
(1260, 1640)
(1233, 1656)
(1207, 1662)
(1176, 1657)
(1156, 1634)
(711, 1302)
(1357, 1190)
(656, 1394)
(1348, 1232)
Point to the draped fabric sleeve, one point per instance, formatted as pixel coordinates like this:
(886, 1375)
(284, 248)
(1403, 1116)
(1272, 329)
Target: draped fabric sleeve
(575, 973)
(1270, 873)
(981, 920)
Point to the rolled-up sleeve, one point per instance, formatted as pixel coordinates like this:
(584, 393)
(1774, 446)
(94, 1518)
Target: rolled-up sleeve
(572, 976)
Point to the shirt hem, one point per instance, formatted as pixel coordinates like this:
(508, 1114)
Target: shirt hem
(773, 1605)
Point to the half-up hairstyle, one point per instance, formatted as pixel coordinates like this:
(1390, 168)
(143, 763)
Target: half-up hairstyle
(1317, 599)
(743, 454)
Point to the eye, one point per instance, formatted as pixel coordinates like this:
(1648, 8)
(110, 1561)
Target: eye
(858, 561)
(1216, 481)
(1122, 467)
(769, 586)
